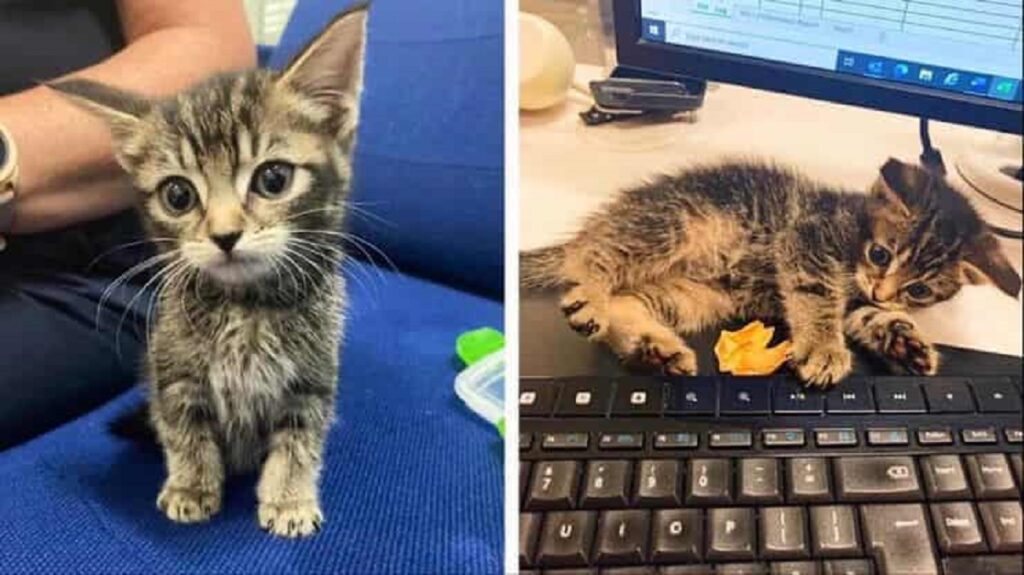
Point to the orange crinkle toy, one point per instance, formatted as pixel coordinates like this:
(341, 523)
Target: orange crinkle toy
(746, 351)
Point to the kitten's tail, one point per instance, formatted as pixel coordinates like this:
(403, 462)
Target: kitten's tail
(134, 425)
(542, 268)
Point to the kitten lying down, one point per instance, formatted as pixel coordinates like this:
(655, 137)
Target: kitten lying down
(242, 183)
(753, 240)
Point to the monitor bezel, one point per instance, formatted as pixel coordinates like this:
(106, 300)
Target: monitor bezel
(634, 51)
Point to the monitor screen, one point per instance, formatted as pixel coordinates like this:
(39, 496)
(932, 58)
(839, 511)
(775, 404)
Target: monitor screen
(969, 48)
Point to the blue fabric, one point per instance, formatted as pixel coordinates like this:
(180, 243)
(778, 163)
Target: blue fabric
(412, 483)
(430, 150)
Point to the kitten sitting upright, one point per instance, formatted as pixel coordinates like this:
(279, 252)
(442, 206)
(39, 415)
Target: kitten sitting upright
(756, 241)
(242, 183)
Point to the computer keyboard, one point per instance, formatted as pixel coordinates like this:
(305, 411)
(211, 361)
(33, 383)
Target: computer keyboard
(701, 475)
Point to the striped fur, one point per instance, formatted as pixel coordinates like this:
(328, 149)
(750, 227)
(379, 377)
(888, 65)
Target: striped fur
(750, 240)
(243, 356)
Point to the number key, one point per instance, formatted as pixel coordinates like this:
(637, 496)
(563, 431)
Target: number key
(710, 481)
(658, 483)
(606, 484)
(553, 485)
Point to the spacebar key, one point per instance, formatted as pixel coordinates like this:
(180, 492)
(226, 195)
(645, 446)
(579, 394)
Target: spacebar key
(897, 536)
(984, 565)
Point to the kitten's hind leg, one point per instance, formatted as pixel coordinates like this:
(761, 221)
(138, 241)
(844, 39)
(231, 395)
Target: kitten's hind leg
(289, 500)
(195, 469)
(894, 337)
(637, 335)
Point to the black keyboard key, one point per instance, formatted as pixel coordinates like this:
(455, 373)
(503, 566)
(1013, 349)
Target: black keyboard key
(1002, 520)
(996, 395)
(621, 441)
(606, 484)
(524, 478)
(897, 536)
(851, 396)
(691, 396)
(794, 568)
(948, 395)
(741, 569)
(834, 531)
(957, 529)
(847, 567)
(991, 476)
(1017, 463)
(658, 483)
(984, 565)
(584, 398)
(525, 441)
(622, 537)
(1014, 435)
(944, 477)
(979, 436)
(564, 441)
(899, 395)
(791, 398)
(529, 528)
(745, 396)
(885, 437)
(566, 538)
(686, 570)
(783, 438)
(844, 437)
(638, 396)
(935, 436)
(759, 481)
(577, 571)
(876, 479)
(553, 485)
(677, 536)
(709, 481)
(682, 440)
(731, 534)
(807, 480)
(634, 570)
(730, 439)
(536, 397)
(784, 533)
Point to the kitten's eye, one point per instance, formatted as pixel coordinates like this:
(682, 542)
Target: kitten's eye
(271, 179)
(879, 255)
(177, 195)
(918, 290)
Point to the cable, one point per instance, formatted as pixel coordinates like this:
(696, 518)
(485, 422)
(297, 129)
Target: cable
(931, 158)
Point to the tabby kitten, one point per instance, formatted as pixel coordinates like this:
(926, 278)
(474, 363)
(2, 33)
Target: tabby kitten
(748, 240)
(242, 183)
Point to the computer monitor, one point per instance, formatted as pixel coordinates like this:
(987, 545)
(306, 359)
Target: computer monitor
(949, 60)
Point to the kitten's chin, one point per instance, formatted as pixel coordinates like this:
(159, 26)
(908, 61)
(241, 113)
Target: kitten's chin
(238, 272)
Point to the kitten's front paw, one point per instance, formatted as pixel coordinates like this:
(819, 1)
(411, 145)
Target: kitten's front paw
(187, 505)
(586, 313)
(907, 349)
(673, 357)
(291, 519)
(822, 365)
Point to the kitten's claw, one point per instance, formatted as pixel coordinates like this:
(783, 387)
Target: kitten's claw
(671, 357)
(185, 505)
(823, 365)
(585, 316)
(906, 349)
(292, 519)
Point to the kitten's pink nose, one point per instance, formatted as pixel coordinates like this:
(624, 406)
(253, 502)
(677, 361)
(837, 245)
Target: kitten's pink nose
(883, 292)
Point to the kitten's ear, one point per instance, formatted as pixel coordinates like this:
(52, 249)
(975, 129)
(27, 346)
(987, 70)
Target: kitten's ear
(901, 185)
(984, 262)
(330, 69)
(122, 110)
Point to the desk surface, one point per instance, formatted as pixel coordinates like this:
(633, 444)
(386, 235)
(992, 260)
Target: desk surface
(567, 170)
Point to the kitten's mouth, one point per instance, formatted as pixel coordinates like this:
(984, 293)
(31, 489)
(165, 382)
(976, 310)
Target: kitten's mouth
(237, 269)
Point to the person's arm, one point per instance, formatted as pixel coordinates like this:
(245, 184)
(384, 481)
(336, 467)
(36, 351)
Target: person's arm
(67, 172)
